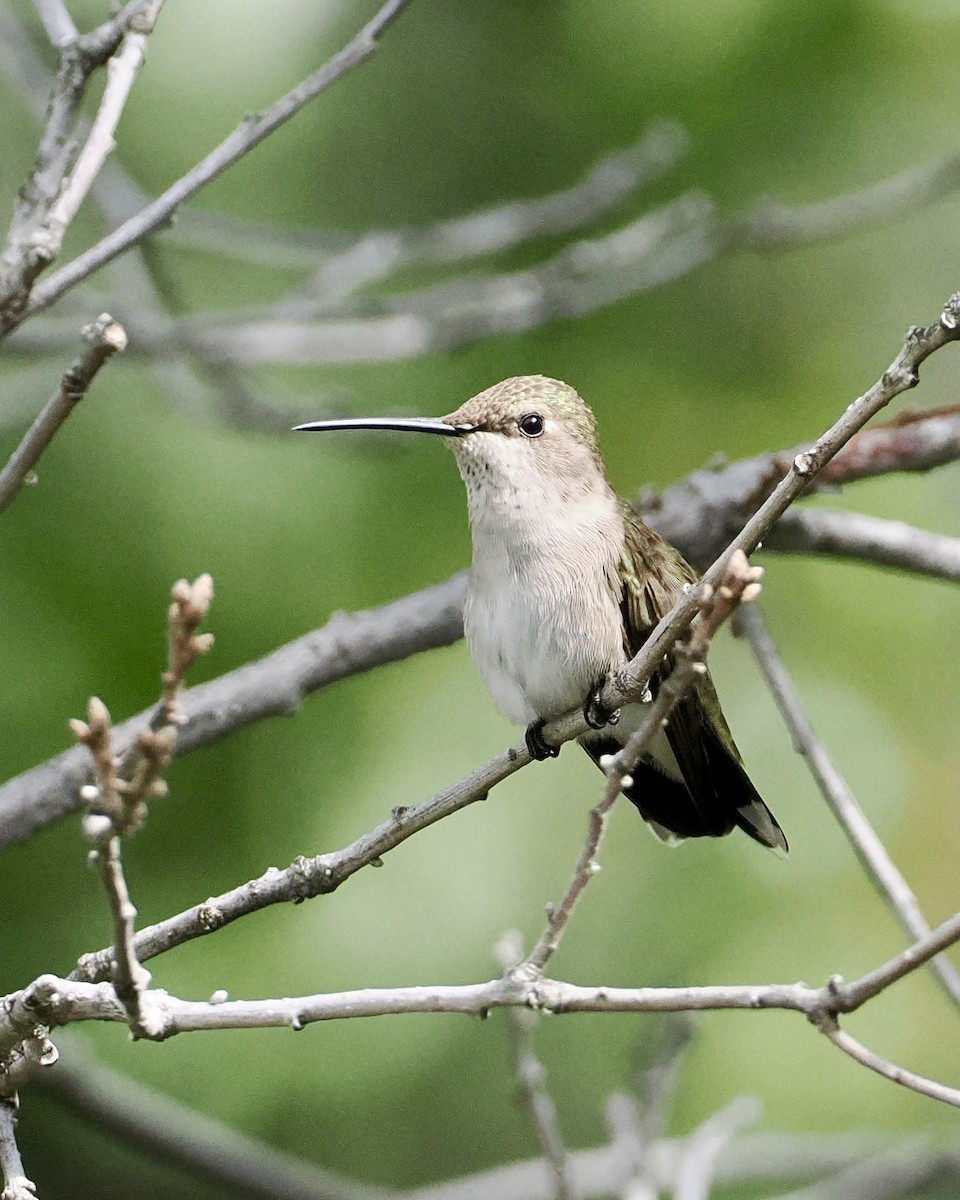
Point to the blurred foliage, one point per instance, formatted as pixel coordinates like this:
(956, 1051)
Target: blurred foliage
(462, 106)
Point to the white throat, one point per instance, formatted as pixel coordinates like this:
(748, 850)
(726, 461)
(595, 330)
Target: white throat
(542, 614)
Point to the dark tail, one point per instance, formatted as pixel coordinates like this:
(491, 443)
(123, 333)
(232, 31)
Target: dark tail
(725, 799)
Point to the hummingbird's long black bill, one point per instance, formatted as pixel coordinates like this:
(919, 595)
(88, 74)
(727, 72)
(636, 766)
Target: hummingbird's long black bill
(402, 424)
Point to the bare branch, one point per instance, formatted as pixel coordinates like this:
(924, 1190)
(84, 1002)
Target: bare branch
(305, 877)
(739, 585)
(532, 1081)
(122, 70)
(531, 1076)
(118, 800)
(840, 534)
(57, 22)
(50, 1001)
(844, 1165)
(768, 226)
(160, 1126)
(648, 251)
(912, 441)
(893, 1175)
(752, 1159)
(316, 326)
(116, 809)
(868, 847)
(244, 138)
(16, 1185)
(130, 978)
(629, 1140)
(702, 512)
(924, 949)
(105, 337)
(702, 1149)
(868, 1058)
(58, 1001)
(656, 1080)
(774, 227)
(901, 375)
(494, 229)
(587, 865)
(33, 241)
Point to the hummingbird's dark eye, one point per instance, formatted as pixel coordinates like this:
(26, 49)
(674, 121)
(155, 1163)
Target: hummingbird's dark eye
(531, 425)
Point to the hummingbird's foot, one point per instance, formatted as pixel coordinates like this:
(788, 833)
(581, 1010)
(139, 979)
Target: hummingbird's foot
(595, 712)
(537, 744)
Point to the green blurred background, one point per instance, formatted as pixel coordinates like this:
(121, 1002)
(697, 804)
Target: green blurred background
(466, 105)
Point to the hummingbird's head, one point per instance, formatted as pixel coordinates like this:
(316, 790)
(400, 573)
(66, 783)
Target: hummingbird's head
(530, 435)
(529, 431)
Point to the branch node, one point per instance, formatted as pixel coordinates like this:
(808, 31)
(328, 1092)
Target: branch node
(950, 317)
(803, 464)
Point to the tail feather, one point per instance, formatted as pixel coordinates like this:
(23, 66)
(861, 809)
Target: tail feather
(727, 800)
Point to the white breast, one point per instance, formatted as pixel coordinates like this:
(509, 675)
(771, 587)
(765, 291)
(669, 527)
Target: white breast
(542, 615)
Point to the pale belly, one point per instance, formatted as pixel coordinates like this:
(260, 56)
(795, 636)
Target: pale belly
(543, 644)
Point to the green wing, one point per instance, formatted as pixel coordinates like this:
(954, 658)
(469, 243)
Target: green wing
(720, 794)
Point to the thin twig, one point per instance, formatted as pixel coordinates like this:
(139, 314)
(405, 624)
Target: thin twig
(702, 511)
(775, 227)
(587, 865)
(869, 1058)
(656, 247)
(495, 229)
(868, 847)
(57, 1001)
(900, 376)
(702, 1148)
(50, 1001)
(925, 948)
(32, 242)
(191, 603)
(122, 69)
(657, 1076)
(531, 1078)
(492, 229)
(124, 785)
(628, 1139)
(114, 810)
(117, 197)
(306, 877)
(57, 22)
(455, 240)
(244, 138)
(130, 977)
(899, 1174)
(911, 441)
(740, 585)
(16, 1185)
(318, 324)
(105, 337)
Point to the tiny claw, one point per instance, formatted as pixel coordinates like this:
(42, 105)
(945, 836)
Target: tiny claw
(537, 744)
(595, 712)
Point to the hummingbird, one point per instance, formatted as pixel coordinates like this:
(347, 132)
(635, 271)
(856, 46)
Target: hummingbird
(566, 584)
